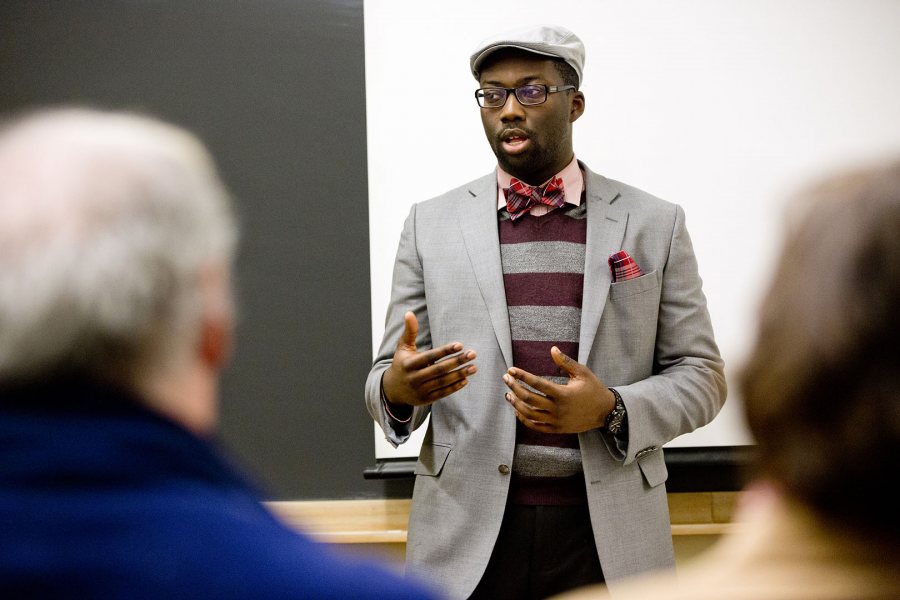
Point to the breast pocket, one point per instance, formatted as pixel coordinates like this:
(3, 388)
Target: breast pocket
(626, 336)
(633, 287)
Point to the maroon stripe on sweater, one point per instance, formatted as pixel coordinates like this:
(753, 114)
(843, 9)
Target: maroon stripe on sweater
(530, 437)
(534, 357)
(547, 491)
(554, 227)
(544, 289)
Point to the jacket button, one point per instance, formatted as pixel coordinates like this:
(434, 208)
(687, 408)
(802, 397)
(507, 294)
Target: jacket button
(503, 469)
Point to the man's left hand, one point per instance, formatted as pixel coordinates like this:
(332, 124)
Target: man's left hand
(578, 406)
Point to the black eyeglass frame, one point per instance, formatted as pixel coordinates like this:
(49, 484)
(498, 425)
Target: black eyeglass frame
(548, 89)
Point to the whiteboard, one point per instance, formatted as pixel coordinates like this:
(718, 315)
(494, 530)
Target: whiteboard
(725, 108)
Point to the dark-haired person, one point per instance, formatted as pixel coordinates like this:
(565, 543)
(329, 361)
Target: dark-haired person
(116, 248)
(536, 476)
(821, 391)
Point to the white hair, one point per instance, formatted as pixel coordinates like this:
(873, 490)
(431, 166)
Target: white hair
(107, 222)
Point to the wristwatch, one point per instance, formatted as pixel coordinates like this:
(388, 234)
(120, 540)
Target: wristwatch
(617, 419)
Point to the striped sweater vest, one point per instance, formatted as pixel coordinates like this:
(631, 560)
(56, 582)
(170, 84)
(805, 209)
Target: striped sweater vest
(543, 273)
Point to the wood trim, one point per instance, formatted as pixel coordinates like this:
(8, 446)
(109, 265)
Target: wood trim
(384, 521)
(703, 529)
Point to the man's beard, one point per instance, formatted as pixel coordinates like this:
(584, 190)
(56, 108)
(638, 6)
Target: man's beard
(527, 166)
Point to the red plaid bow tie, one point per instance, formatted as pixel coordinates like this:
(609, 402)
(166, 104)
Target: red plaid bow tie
(623, 266)
(520, 197)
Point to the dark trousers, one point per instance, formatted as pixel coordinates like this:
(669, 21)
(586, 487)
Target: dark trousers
(540, 551)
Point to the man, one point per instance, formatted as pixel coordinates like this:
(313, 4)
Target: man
(116, 244)
(535, 475)
(820, 392)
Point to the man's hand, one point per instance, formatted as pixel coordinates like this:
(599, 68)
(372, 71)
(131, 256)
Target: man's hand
(416, 378)
(581, 405)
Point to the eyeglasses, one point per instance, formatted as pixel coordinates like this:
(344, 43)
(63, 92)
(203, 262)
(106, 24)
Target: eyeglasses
(527, 95)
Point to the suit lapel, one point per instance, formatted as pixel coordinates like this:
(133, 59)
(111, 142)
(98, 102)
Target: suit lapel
(478, 223)
(605, 232)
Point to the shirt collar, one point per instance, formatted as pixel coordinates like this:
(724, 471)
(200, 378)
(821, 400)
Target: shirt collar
(573, 183)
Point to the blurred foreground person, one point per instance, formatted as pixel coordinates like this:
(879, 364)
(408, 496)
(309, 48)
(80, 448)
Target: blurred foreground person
(116, 246)
(822, 397)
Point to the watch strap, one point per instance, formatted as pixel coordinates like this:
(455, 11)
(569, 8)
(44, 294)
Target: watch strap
(616, 420)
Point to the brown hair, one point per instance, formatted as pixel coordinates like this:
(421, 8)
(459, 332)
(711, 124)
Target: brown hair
(822, 384)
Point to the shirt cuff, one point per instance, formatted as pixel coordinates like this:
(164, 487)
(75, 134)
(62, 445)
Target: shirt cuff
(620, 438)
(387, 406)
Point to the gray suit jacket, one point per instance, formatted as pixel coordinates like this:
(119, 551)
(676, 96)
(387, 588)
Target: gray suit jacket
(649, 337)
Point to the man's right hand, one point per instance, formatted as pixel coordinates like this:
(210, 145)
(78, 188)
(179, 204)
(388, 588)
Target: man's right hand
(417, 378)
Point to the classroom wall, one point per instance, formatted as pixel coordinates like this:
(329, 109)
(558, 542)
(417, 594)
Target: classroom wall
(277, 89)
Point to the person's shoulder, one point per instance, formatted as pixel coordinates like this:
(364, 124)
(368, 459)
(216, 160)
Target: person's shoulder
(618, 192)
(484, 185)
(300, 567)
(243, 550)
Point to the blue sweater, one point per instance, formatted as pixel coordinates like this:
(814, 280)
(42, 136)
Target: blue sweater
(101, 498)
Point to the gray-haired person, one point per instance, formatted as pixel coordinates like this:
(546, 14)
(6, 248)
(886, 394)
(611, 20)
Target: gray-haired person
(116, 247)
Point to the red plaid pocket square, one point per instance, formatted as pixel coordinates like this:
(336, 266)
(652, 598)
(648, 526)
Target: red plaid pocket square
(623, 267)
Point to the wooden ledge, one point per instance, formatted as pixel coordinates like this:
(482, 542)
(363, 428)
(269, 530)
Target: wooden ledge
(348, 521)
(384, 521)
(703, 528)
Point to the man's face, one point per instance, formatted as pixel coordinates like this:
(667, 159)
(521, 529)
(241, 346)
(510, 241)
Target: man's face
(532, 143)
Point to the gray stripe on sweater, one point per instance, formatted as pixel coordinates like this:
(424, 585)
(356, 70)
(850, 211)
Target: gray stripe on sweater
(545, 323)
(542, 257)
(546, 461)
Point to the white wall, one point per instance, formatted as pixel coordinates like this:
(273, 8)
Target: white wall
(722, 107)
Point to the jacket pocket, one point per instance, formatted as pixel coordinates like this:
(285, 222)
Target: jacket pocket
(432, 458)
(633, 287)
(653, 467)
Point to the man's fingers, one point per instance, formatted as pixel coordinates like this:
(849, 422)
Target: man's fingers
(544, 386)
(417, 378)
(529, 417)
(410, 331)
(438, 357)
(535, 403)
(448, 387)
(438, 376)
(564, 362)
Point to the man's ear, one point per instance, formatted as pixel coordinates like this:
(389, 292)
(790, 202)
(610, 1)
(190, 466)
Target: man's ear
(577, 108)
(216, 339)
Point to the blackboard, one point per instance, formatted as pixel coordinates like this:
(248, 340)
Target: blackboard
(276, 90)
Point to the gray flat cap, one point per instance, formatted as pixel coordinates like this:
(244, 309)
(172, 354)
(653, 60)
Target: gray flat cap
(547, 40)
